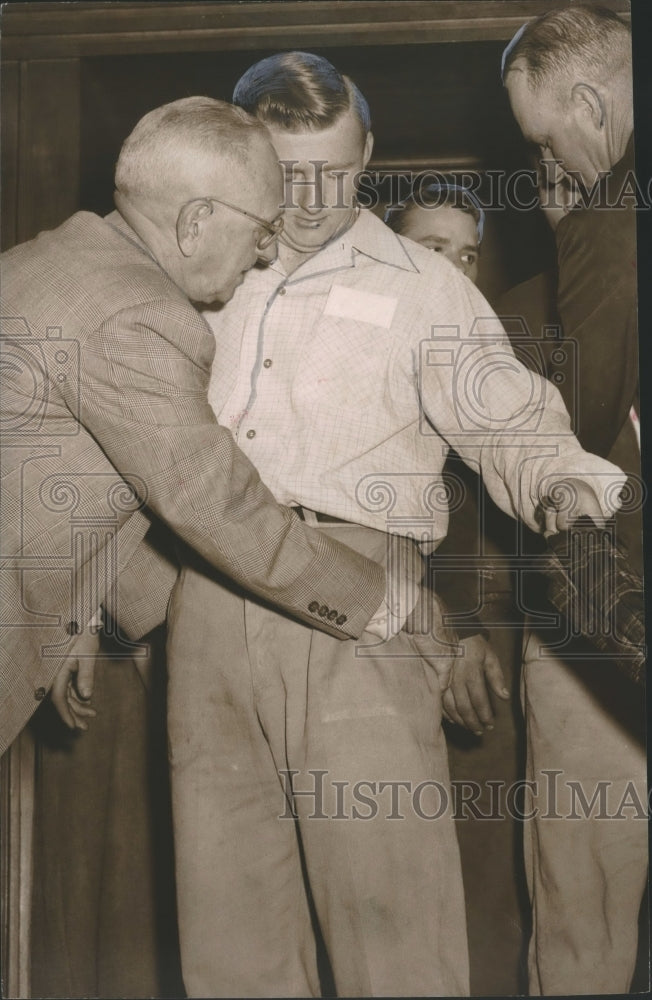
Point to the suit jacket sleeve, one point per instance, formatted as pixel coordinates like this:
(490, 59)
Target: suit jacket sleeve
(144, 379)
(597, 308)
(139, 600)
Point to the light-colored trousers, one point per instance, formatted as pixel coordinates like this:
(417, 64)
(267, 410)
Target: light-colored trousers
(586, 876)
(253, 696)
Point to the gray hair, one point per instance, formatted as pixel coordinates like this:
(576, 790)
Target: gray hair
(173, 135)
(591, 39)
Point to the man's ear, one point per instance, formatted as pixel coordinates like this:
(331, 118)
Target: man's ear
(190, 224)
(587, 100)
(368, 148)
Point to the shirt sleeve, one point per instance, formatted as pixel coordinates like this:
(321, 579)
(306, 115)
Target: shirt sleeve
(496, 412)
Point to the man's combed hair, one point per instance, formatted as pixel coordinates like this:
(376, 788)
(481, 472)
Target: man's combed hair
(437, 196)
(592, 39)
(176, 132)
(299, 90)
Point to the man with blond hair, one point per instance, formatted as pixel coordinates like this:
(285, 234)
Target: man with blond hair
(341, 366)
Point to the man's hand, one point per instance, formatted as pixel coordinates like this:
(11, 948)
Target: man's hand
(435, 642)
(567, 500)
(466, 701)
(404, 568)
(73, 686)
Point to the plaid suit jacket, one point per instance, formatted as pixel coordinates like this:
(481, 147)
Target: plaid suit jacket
(105, 428)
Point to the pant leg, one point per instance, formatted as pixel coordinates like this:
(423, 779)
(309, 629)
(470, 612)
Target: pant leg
(248, 693)
(95, 925)
(489, 836)
(384, 874)
(586, 875)
(244, 921)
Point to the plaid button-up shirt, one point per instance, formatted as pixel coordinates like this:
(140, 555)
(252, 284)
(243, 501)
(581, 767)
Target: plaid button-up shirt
(346, 381)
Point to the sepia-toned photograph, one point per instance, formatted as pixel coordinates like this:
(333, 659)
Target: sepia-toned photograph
(322, 507)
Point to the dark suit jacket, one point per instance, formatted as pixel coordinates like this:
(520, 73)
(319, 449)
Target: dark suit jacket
(596, 305)
(597, 302)
(106, 427)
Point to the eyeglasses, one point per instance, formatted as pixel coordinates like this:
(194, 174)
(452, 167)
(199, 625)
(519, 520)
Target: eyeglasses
(272, 229)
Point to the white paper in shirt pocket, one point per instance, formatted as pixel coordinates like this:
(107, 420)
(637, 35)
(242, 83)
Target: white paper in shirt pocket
(365, 307)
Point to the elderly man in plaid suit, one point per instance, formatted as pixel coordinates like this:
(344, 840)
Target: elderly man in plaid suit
(107, 430)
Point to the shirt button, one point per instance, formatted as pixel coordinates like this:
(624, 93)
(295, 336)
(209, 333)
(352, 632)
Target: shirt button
(332, 615)
(39, 694)
(340, 620)
(251, 434)
(313, 606)
(267, 363)
(282, 291)
(323, 611)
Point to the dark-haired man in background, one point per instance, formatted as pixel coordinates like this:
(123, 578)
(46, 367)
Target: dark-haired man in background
(472, 574)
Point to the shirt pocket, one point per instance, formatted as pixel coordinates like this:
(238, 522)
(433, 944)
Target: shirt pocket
(349, 361)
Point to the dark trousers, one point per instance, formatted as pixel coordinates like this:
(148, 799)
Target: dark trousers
(103, 913)
(490, 839)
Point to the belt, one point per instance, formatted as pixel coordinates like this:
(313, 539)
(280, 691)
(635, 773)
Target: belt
(322, 518)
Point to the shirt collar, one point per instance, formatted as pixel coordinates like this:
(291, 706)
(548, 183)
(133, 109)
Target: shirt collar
(371, 237)
(368, 237)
